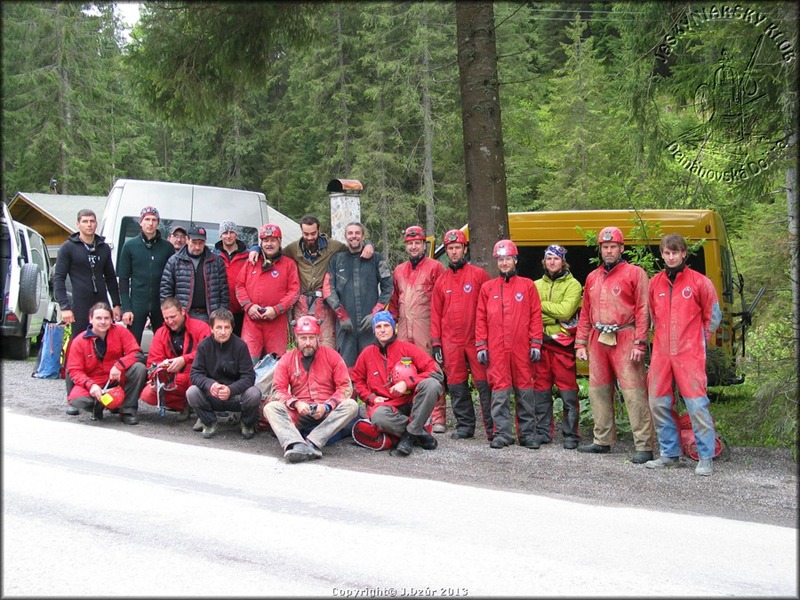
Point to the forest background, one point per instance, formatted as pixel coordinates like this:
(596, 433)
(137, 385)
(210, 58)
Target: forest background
(593, 98)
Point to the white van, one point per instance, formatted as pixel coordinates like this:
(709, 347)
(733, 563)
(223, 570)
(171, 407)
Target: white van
(188, 205)
(27, 286)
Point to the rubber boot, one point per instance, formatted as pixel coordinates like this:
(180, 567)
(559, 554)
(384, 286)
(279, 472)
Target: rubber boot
(526, 414)
(463, 410)
(543, 409)
(485, 399)
(570, 423)
(501, 415)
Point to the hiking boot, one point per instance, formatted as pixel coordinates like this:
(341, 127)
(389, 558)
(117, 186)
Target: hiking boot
(642, 456)
(439, 428)
(461, 435)
(72, 410)
(198, 425)
(570, 444)
(97, 411)
(663, 462)
(594, 449)
(426, 441)
(248, 432)
(542, 439)
(314, 449)
(210, 430)
(129, 419)
(184, 414)
(405, 446)
(499, 442)
(530, 442)
(299, 452)
(705, 467)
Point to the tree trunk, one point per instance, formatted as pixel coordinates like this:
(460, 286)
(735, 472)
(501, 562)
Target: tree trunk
(487, 207)
(346, 167)
(427, 120)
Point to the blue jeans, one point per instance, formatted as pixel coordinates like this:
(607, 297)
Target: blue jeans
(666, 423)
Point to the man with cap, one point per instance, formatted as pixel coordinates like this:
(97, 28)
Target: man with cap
(140, 266)
(177, 237)
(453, 307)
(560, 295)
(614, 325)
(266, 292)
(399, 384)
(196, 277)
(411, 303)
(508, 339)
(233, 253)
(311, 389)
(356, 288)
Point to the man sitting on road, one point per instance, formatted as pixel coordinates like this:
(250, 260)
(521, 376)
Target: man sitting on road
(171, 355)
(223, 378)
(311, 389)
(399, 383)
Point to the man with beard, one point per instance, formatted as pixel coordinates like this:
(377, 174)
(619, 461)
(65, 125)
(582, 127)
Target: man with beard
(312, 389)
(266, 291)
(411, 303)
(453, 308)
(399, 384)
(356, 288)
(196, 277)
(172, 351)
(140, 267)
(223, 378)
(614, 324)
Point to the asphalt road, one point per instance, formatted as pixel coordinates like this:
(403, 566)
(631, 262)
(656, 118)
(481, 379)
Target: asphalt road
(756, 484)
(103, 511)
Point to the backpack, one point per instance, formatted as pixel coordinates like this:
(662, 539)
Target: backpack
(51, 351)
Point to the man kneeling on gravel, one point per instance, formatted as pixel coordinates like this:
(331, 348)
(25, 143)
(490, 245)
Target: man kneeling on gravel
(311, 389)
(399, 383)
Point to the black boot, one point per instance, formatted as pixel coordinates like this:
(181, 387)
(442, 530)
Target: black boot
(406, 445)
(485, 400)
(543, 409)
(570, 423)
(463, 410)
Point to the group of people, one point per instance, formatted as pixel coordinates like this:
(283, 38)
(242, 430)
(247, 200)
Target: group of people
(397, 340)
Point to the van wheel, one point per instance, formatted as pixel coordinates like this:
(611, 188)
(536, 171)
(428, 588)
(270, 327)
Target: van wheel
(30, 289)
(17, 348)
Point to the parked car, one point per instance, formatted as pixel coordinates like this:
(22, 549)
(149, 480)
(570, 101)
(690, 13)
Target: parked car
(27, 287)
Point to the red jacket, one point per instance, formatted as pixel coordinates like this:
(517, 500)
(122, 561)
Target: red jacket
(86, 369)
(161, 347)
(509, 316)
(277, 287)
(684, 313)
(615, 297)
(454, 305)
(371, 373)
(233, 264)
(411, 300)
(327, 380)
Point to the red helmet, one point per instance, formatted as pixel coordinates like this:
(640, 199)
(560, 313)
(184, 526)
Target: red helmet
(415, 232)
(307, 324)
(270, 230)
(404, 370)
(455, 236)
(610, 234)
(113, 397)
(505, 248)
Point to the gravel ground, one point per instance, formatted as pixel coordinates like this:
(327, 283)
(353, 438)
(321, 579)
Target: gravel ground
(754, 484)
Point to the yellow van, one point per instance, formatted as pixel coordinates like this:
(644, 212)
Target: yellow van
(534, 231)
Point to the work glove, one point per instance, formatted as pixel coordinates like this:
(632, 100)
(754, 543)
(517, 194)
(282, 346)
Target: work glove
(536, 354)
(345, 323)
(483, 357)
(437, 355)
(366, 323)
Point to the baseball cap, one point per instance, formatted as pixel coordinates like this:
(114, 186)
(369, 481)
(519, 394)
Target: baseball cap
(197, 233)
(175, 228)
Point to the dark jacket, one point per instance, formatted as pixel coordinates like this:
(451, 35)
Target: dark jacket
(178, 279)
(92, 281)
(228, 363)
(361, 286)
(141, 268)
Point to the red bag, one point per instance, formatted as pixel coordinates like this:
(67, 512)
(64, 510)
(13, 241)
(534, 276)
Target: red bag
(688, 442)
(367, 435)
